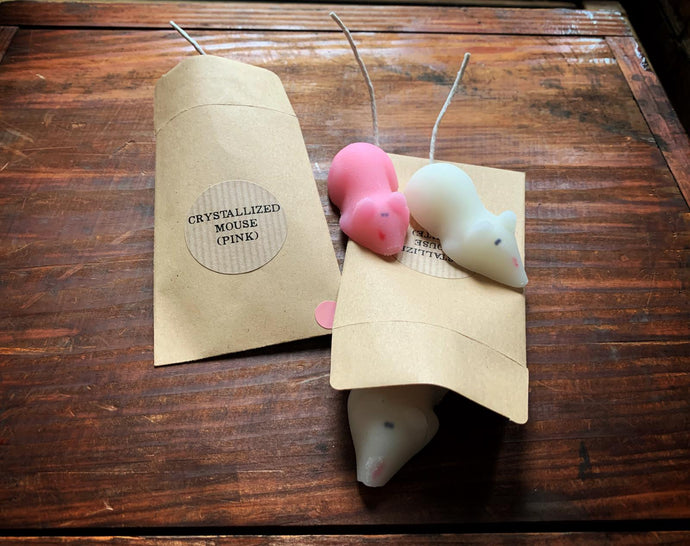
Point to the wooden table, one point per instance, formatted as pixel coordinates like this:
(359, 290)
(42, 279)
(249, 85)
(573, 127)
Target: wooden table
(96, 441)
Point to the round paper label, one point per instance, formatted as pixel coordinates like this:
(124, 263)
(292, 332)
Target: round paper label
(422, 252)
(235, 227)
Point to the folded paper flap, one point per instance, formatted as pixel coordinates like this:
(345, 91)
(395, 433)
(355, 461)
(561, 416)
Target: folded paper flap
(386, 291)
(470, 339)
(420, 356)
(210, 80)
(238, 144)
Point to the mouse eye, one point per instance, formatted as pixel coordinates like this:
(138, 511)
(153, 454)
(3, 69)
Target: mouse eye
(389, 424)
(384, 214)
(497, 242)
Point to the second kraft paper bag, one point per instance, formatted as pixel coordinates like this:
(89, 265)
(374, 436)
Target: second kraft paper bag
(418, 319)
(242, 251)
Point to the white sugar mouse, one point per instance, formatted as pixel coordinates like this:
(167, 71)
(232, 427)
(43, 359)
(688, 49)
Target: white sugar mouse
(389, 425)
(443, 199)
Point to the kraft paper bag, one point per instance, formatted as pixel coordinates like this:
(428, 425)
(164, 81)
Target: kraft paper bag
(418, 319)
(242, 251)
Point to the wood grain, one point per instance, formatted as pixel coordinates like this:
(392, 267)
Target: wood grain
(654, 104)
(314, 17)
(669, 538)
(6, 35)
(91, 435)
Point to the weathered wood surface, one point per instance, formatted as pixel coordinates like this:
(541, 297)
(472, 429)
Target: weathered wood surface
(314, 16)
(668, 538)
(669, 133)
(92, 435)
(6, 35)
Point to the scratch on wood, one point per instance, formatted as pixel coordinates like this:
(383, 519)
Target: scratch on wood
(33, 299)
(651, 290)
(115, 116)
(118, 240)
(106, 508)
(549, 387)
(71, 271)
(11, 150)
(51, 148)
(121, 147)
(17, 132)
(310, 379)
(585, 467)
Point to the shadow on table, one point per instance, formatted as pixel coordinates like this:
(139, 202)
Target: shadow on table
(453, 477)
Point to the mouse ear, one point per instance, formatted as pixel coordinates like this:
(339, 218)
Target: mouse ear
(398, 203)
(508, 219)
(480, 227)
(365, 209)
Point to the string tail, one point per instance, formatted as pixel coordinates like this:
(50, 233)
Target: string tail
(432, 145)
(363, 68)
(187, 37)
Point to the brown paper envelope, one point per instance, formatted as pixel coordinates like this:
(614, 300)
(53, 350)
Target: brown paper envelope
(218, 120)
(395, 325)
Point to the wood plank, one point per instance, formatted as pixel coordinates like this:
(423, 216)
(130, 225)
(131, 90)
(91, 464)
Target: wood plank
(654, 105)
(6, 35)
(92, 435)
(669, 538)
(314, 17)
(663, 27)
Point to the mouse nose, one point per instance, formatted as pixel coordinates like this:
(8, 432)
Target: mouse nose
(523, 279)
(522, 276)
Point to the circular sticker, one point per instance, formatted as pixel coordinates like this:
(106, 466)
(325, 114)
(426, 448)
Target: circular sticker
(422, 252)
(235, 227)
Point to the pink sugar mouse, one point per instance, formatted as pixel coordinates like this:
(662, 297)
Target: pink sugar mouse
(362, 183)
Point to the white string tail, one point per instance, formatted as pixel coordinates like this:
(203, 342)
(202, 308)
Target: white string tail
(432, 146)
(374, 114)
(187, 37)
